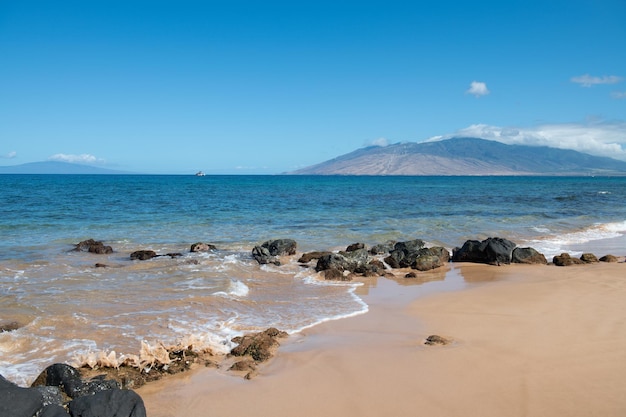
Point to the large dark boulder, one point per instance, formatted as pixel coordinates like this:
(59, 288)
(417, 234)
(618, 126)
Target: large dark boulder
(528, 256)
(334, 261)
(281, 247)
(609, 258)
(403, 254)
(109, 403)
(427, 262)
(497, 250)
(493, 250)
(263, 256)
(267, 252)
(69, 380)
(17, 401)
(93, 246)
(589, 258)
(469, 252)
(143, 255)
(565, 259)
(358, 261)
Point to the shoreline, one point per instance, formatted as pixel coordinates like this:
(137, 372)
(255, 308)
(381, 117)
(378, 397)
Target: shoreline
(527, 340)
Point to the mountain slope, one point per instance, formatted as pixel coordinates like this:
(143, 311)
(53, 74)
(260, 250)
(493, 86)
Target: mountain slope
(55, 167)
(465, 156)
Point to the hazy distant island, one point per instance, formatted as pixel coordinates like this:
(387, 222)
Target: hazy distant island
(456, 156)
(465, 156)
(57, 167)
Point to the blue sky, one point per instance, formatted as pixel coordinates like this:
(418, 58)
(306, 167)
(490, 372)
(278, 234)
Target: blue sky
(266, 87)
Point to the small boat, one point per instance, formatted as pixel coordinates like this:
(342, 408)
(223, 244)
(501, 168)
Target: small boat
(200, 174)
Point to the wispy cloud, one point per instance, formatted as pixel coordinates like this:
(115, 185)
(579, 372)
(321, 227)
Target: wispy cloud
(77, 159)
(478, 89)
(9, 155)
(618, 94)
(600, 139)
(587, 80)
(382, 142)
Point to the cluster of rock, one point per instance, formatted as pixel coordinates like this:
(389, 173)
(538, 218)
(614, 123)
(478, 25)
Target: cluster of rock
(254, 349)
(357, 259)
(268, 252)
(60, 391)
(565, 259)
(496, 251)
(98, 247)
(106, 391)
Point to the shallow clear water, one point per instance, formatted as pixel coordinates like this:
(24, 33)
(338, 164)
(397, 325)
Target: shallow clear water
(68, 307)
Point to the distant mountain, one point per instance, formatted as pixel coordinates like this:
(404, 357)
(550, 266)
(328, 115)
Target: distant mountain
(54, 167)
(465, 156)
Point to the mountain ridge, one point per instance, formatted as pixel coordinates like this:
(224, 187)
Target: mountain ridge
(465, 156)
(58, 167)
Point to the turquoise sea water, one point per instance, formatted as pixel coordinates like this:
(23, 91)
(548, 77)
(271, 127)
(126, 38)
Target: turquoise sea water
(69, 308)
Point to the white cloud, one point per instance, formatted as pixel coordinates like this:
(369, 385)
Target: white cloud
(382, 142)
(618, 94)
(77, 159)
(9, 155)
(478, 89)
(587, 80)
(600, 139)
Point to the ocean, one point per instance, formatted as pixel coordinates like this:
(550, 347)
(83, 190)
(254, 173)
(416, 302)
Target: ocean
(69, 310)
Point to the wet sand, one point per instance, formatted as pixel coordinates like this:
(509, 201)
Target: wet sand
(527, 341)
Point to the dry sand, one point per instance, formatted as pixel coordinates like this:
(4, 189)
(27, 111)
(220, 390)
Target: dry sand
(528, 341)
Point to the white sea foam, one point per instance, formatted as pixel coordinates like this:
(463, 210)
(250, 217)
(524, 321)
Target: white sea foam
(551, 245)
(364, 308)
(236, 289)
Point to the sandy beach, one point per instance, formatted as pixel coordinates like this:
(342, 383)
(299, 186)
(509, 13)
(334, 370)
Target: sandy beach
(526, 341)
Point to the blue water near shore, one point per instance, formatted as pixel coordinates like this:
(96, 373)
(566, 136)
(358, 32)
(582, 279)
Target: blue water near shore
(70, 308)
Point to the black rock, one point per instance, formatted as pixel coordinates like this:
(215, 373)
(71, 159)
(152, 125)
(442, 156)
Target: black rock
(93, 246)
(110, 403)
(17, 401)
(143, 255)
(493, 250)
(528, 256)
(69, 380)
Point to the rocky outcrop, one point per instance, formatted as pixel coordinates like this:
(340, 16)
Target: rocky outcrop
(494, 250)
(93, 246)
(267, 252)
(528, 256)
(340, 266)
(609, 258)
(109, 403)
(143, 255)
(404, 253)
(59, 391)
(413, 254)
(202, 247)
(589, 258)
(260, 346)
(255, 348)
(565, 259)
